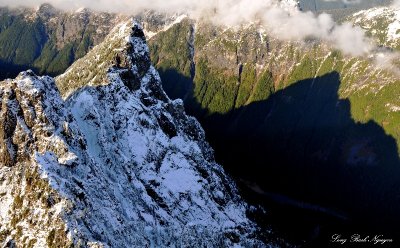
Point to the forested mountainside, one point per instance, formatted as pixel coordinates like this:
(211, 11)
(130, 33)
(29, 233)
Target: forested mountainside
(48, 40)
(118, 165)
(306, 120)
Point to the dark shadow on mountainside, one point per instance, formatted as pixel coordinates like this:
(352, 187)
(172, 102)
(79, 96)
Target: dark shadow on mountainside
(301, 155)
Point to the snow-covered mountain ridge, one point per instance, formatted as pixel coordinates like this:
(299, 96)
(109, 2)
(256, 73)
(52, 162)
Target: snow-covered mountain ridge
(118, 165)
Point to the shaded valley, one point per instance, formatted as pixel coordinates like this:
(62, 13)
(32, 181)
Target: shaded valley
(297, 133)
(302, 155)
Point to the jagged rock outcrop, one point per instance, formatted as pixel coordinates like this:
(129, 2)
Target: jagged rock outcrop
(118, 165)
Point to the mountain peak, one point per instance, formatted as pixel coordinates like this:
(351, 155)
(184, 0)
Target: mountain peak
(117, 165)
(137, 31)
(82, 10)
(46, 11)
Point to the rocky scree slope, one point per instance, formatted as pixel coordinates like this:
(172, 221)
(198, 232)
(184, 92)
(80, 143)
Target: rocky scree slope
(119, 165)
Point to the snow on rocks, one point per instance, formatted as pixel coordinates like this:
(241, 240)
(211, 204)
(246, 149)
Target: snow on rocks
(382, 23)
(118, 165)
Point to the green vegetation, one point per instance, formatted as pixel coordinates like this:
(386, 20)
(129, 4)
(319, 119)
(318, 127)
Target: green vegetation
(247, 81)
(295, 116)
(305, 69)
(21, 42)
(62, 60)
(263, 88)
(171, 54)
(218, 94)
(30, 44)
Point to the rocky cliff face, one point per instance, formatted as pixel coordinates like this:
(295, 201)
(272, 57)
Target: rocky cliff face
(118, 165)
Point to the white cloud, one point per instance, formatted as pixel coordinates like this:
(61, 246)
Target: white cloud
(300, 25)
(396, 3)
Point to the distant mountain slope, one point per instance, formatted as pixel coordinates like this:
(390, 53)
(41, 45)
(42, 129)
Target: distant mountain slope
(308, 121)
(119, 165)
(48, 40)
(383, 24)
